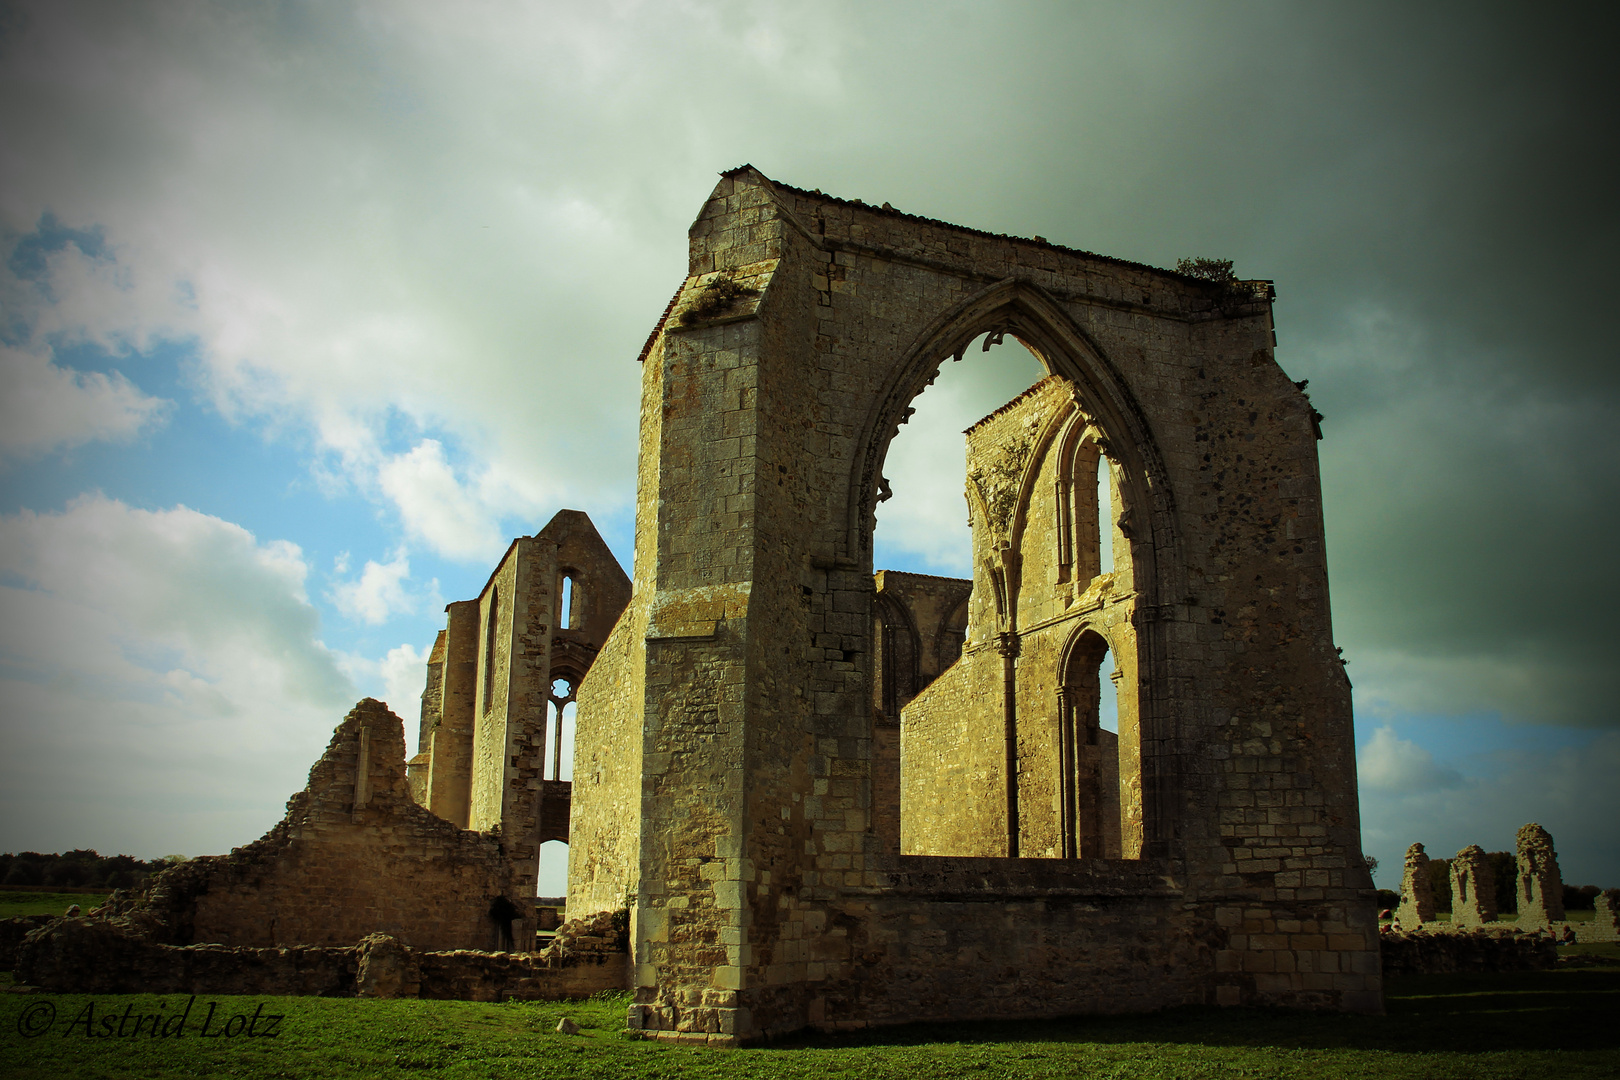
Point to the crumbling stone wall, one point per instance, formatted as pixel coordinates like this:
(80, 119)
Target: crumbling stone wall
(1541, 886)
(112, 956)
(1417, 891)
(354, 855)
(1473, 889)
(1465, 951)
(781, 371)
(1605, 924)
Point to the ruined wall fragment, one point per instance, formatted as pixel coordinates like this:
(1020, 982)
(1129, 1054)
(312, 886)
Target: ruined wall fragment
(355, 855)
(1540, 885)
(1417, 891)
(1473, 889)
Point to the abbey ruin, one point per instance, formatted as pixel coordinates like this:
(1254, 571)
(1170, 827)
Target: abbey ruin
(827, 795)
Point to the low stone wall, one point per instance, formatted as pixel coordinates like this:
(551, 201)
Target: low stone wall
(98, 956)
(1467, 951)
(102, 956)
(12, 931)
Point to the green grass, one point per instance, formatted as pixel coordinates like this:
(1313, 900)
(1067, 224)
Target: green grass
(13, 904)
(1563, 1024)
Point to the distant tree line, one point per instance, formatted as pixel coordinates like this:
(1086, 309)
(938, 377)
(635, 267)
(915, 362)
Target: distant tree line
(1505, 868)
(80, 869)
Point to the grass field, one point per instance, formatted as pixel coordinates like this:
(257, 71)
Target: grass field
(13, 904)
(1558, 1024)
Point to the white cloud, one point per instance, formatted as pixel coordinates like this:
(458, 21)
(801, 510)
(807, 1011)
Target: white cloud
(47, 406)
(404, 674)
(1390, 763)
(397, 680)
(164, 682)
(378, 593)
(438, 508)
(924, 526)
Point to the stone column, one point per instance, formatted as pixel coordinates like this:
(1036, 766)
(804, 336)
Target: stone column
(1473, 889)
(1417, 894)
(1541, 887)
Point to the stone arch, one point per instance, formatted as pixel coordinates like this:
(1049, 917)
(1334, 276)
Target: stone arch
(1101, 811)
(1038, 321)
(899, 647)
(1118, 426)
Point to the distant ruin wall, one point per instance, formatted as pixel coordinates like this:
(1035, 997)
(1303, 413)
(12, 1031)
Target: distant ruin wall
(1540, 885)
(1417, 891)
(1474, 951)
(355, 855)
(953, 762)
(1473, 889)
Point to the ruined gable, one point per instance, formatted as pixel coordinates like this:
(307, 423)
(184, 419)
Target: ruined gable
(355, 855)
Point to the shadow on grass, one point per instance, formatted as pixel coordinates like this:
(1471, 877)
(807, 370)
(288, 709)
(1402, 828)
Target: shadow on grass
(1552, 1010)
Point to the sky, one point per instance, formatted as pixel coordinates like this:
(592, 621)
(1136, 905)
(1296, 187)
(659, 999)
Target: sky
(306, 309)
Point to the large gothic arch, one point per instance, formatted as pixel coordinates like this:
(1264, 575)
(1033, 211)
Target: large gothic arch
(1022, 309)
(728, 719)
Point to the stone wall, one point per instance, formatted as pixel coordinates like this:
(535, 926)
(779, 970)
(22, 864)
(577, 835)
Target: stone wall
(781, 371)
(110, 956)
(500, 734)
(355, 855)
(1605, 924)
(1467, 951)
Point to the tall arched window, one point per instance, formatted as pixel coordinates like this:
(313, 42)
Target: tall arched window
(568, 602)
(491, 626)
(560, 715)
(895, 641)
(1099, 759)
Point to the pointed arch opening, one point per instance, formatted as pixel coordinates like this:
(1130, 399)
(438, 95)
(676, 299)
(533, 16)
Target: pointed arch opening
(1011, 752)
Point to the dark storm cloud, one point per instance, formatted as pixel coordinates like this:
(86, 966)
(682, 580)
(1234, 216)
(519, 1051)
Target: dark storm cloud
(1431, 188)
(1429, 185)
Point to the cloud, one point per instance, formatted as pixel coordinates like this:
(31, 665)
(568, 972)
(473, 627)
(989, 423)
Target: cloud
(438, 508)
(48, 407)
(164, 680)
(397, 680)
(1393, 764)
(923, 528)
(379, 592)
(404, 674)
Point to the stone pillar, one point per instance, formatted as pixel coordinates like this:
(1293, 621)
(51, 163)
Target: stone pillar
(450, 770)
(1417, 894)
(1473, 889)
(1541, 887)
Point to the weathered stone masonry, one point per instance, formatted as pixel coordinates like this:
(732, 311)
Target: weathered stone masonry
(355, 855)
(730, 724)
